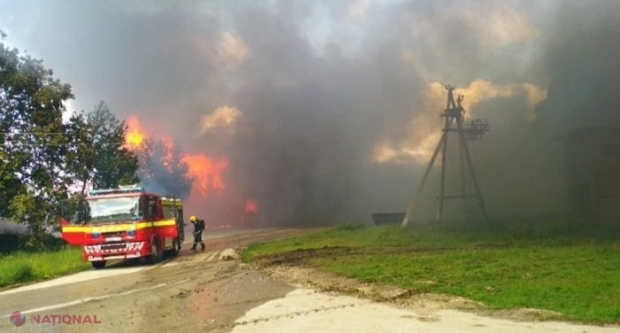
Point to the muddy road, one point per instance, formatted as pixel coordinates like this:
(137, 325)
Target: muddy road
(203, 293)
(193, 291)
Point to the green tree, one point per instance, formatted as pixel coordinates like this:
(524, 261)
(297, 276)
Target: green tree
(42, 158)
(81, 153)
(114, 164)
(99, 156)
(32, 139)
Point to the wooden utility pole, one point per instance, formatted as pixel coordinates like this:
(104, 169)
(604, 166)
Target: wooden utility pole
(454, 112)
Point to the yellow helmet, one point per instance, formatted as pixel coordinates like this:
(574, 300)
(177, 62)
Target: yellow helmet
(192, 219)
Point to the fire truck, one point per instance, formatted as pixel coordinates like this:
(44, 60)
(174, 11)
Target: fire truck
(125, 223)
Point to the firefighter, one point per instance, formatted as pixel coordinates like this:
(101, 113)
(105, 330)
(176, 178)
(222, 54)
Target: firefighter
(199, 226)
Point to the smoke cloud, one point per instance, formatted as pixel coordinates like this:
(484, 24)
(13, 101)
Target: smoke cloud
(328, 111)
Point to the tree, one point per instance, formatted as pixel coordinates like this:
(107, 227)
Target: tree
(32, 138)
(81, 153)
(114, 164)
(41, 157)
(162, 169)
(99, 156)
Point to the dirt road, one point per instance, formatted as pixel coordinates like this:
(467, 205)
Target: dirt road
(193, 291)
(200, 292)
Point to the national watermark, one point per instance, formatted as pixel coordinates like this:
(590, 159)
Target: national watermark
(18, 319)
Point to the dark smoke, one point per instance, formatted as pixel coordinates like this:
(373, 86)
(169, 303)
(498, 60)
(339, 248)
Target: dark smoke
(319, 88)
(584, 69)
(314, 119)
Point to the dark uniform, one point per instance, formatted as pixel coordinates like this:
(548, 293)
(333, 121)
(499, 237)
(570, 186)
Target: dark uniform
(199, 226)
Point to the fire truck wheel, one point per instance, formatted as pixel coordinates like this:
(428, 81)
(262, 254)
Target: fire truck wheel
(177, 247)
(98, 264)
(155, 252)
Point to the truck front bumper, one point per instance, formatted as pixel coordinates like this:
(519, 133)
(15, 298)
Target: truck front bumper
(118, 251)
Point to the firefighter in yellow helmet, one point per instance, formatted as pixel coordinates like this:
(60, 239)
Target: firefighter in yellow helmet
(199, 226)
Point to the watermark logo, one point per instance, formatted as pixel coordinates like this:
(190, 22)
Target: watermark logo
(18, 319)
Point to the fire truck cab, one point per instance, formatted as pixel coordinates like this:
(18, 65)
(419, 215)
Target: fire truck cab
(125, 223)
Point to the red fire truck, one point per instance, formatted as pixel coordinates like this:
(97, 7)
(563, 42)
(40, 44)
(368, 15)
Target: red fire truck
(125, 223)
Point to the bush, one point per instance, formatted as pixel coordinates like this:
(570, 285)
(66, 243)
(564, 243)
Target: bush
(10, 243)
(41, 243)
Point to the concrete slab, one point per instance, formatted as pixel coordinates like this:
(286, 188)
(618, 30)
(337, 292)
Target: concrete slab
(306, 311)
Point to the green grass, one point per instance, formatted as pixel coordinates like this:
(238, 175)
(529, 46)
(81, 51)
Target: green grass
(29, 267)
(571, 269)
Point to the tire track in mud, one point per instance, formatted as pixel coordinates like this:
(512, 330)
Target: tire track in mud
(189, 263)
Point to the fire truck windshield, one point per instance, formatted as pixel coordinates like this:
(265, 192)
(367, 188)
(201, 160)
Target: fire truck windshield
(114, 209)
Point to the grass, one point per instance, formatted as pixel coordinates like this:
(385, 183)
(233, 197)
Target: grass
(571, 269)
(30, 267)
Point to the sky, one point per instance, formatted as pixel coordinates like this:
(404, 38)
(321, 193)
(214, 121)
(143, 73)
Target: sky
(329, 110)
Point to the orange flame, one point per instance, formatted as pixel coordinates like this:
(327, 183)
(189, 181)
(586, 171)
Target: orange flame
(135, 135)
(207, 172)
(250, 206)
(167, 160)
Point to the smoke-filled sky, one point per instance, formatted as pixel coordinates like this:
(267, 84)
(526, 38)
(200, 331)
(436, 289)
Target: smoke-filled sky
(329, 110)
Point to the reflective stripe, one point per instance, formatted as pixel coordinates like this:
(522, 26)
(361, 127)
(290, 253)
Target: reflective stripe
(75, 229)
(164, 223)
(141, 225)
(120, 227)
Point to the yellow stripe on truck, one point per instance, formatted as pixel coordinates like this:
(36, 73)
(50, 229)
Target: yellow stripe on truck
(141, 225)
(75, 229)
(164, 223)
(172, 203)
(120, 227)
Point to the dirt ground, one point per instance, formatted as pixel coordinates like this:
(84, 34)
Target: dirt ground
(288, 267)
(202, 292)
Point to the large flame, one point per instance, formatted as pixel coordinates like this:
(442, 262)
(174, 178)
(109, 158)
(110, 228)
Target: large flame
(135, 134)
(206, 171)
